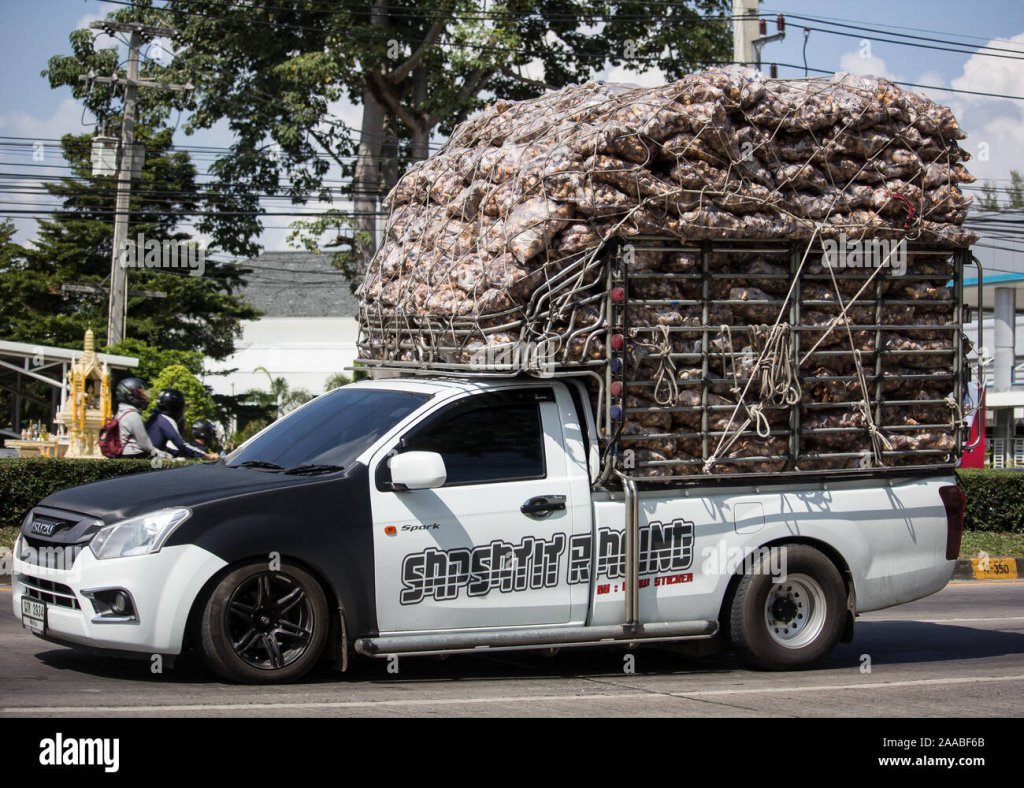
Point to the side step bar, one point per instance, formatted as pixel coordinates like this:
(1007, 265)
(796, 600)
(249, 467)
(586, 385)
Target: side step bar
(534, 638)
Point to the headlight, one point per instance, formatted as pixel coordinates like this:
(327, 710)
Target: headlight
(139, 535)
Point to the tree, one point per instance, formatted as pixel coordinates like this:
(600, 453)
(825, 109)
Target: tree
(1015, 191)
(198, 402)
(236, 439)
(276, 73)
(989, 198)
(154, 360)
(19, 285)
(199, 313)
(336, 381)
(284, 398)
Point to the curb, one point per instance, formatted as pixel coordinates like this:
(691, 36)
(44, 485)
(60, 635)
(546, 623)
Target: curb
(989, 569)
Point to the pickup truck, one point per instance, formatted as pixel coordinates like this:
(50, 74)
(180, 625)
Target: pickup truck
(433, 515)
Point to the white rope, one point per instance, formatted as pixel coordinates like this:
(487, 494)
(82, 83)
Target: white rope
(665, 372)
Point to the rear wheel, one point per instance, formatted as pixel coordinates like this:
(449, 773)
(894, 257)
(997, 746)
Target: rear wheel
(264, 626)
(793, 620)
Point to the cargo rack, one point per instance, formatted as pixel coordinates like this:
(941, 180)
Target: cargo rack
(603, 279)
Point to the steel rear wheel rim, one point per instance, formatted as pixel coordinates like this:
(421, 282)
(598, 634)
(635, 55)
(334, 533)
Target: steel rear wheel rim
(269, 621)
(795, 611)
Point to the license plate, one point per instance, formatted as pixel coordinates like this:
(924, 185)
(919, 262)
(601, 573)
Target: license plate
(33, 615)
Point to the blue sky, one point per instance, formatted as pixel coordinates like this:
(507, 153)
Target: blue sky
(33, 31)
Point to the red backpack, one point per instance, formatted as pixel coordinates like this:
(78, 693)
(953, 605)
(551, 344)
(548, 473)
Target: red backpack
(110, 438)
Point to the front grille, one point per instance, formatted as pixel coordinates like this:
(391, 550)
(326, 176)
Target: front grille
(47, 525)
(49, 555)
(49, 592)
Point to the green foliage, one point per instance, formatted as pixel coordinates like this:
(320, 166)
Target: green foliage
(199, 313)
(340, 231)
(154, 360)
(250, 429)
(283, 398)
(1015, 191)
(997, 544)
(337, 380)
(994, 499)
(24, 483)
(277, 73)
(198, 402)
(988, 199)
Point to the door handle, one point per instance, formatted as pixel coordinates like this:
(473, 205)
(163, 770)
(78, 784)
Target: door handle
(543, 505)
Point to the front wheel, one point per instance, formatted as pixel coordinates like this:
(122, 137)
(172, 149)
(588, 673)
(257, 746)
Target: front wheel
(264, 626)
(790, 620)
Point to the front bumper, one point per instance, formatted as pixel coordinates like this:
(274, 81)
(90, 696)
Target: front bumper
(162, 585)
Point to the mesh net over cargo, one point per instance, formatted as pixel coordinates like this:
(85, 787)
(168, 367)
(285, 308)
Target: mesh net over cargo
(502, 252)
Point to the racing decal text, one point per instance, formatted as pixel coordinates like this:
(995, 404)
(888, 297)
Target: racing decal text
(536, 563)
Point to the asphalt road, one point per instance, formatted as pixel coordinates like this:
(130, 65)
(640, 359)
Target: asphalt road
(958, 653)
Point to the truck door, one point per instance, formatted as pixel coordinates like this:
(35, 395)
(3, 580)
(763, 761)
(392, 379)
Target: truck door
(489, 548)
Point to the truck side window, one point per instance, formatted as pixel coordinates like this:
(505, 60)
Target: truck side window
(500, 443)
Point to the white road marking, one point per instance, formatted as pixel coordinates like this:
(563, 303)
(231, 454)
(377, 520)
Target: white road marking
(507, 700)
(864, 685)
(942, 620)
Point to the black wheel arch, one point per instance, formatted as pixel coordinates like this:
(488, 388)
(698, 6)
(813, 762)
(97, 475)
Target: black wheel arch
(339, 622)
(323, 525)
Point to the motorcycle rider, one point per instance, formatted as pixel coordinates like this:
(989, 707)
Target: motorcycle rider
(204, 434)
(133, 397)
(163, 426)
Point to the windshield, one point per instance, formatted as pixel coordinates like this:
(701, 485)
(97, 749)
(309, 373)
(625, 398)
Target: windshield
(333, 429)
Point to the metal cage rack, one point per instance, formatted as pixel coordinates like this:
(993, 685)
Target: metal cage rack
(604, 282)
(630, 347)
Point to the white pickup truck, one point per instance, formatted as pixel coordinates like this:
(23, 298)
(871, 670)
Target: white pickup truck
(434, 515)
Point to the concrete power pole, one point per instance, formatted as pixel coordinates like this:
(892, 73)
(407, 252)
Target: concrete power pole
(118, 303)
(744, 30)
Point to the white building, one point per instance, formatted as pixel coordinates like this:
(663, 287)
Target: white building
(307, 331)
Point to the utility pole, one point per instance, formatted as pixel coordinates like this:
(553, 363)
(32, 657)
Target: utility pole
(744, 30)
(138, 32)
(750, 33)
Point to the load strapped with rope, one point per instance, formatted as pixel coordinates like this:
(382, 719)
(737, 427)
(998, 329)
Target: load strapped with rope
(756, 275)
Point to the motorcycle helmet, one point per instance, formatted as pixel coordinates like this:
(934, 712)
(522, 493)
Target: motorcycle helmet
(171, 402)
(203, 430)
(133, 391)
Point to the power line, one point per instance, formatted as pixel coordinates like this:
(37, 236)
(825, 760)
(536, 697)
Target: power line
(931, 40)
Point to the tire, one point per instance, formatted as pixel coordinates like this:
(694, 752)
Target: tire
(263, 627)
(792, 624)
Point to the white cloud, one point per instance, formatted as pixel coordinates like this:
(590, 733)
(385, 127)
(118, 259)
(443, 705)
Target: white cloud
(66, 118)
(103, 41)
(864, 63)
(652, 78)
(936, 79)
(994, 127)
(994, 74)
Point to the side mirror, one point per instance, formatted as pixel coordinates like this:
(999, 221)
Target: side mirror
(417, 470)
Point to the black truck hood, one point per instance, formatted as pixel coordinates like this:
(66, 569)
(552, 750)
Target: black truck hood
(127, 496)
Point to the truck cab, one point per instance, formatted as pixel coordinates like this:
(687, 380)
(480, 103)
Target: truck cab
(430, 515)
